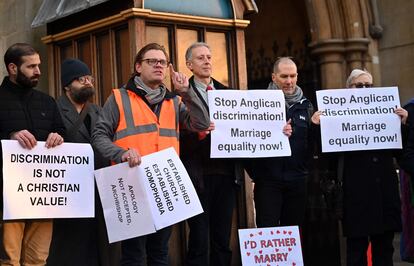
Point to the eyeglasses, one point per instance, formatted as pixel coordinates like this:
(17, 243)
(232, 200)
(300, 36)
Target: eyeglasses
(154, 62)
(84, 79)
(362, 85)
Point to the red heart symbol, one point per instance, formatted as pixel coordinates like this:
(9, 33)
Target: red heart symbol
(290, 232)
(271, 232)
(260, 233)
(268, 264)
(284, 232)
(251, 235)
(260, 251)
(278, 232)
(248, 253)
(293, 264)
(289, 249)
(277, 250)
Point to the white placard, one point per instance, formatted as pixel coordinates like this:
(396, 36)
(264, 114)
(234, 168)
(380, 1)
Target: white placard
(171, 193)
(126, 208)
(47, 183)
(359, 119)
(163, 193)
(271, 246)
(248, 123)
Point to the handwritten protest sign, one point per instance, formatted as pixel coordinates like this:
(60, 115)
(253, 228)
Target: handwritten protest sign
(359, 119)
(271, 246)
(248, 123)
(47, 183)
(153, 195)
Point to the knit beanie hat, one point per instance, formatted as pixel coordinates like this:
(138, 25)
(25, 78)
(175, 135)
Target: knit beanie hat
(72, 69)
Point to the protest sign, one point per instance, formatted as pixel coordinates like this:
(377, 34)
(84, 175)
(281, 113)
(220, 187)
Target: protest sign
(47, 183)
(271, 246)
(126, 209)
(163, 195)
(359, 119)
(248, 123)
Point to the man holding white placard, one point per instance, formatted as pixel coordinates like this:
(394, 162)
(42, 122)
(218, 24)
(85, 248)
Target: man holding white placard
(26, 115)
(88, 236)
(214, 179)
(371, 200)
(143, 118)
(280, 182)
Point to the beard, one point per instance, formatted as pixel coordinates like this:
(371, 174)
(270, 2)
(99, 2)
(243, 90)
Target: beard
(81, 95)
(25, 81)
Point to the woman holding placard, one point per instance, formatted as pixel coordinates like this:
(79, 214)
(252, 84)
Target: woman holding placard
(371, 200)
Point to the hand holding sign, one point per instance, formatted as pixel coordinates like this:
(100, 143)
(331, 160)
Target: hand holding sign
(203, 134)
(132, 156)
(53, 140)
(287, 129)
(25, 138)
(401, 112)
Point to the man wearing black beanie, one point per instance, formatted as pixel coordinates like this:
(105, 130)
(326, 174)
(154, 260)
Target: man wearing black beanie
(87, 238)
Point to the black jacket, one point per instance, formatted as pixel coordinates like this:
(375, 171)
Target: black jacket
(293, 167)
(195, 153)
(24, 108)
(371, 195)
(407, 160)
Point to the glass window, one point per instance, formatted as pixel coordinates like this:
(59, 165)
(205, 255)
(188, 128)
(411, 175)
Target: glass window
(218, 44)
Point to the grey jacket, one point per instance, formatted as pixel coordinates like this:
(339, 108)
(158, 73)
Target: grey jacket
(82, 135)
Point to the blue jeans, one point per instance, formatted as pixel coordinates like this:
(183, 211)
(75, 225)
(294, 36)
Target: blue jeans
(152, 248)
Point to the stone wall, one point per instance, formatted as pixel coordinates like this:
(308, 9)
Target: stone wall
(396, 47)
(16, 17)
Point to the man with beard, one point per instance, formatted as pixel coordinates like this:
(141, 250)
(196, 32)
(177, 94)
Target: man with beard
(28, 116)
(88, 238)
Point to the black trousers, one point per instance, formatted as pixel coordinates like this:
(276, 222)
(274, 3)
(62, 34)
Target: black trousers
(279, 203)
(152, 248)
(210, 231)
(381, 248)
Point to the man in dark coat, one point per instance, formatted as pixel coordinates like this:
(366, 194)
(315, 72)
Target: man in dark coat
(280, 182)
(26, 115)
(87, 238)
(214, 179)
(371, 210)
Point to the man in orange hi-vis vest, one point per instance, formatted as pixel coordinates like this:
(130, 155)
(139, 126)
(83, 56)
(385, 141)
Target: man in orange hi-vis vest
(144, 117)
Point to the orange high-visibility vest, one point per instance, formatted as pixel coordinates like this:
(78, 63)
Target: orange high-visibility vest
(141, 129)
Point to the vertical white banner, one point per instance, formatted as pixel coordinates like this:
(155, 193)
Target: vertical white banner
(47, 183)
(125, 204)
(170, 191)
(248, 123)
